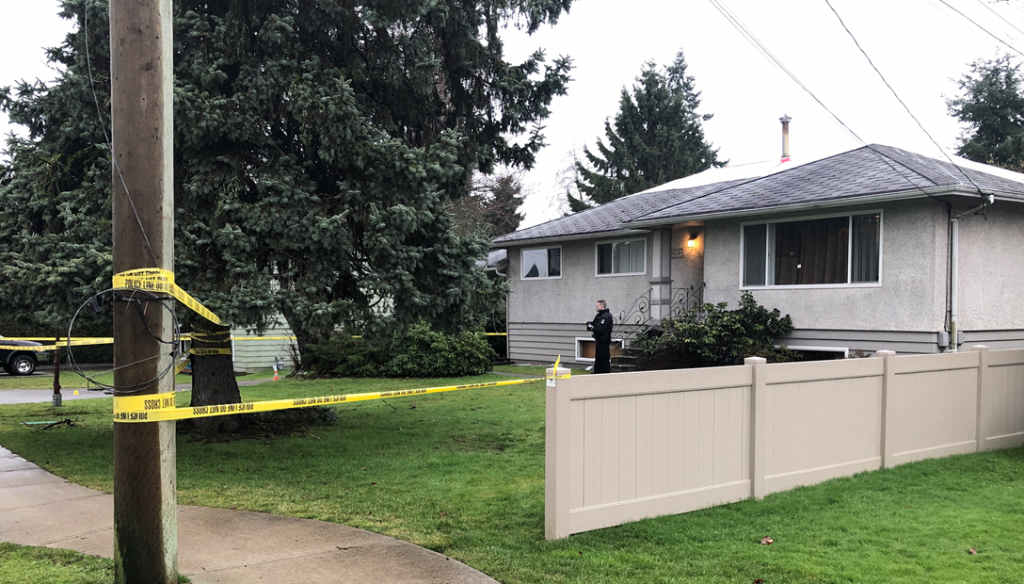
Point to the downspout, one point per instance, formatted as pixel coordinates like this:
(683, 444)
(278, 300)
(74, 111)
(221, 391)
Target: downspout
(954, 268)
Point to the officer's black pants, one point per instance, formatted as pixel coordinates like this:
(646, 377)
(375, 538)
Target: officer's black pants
(603, 357)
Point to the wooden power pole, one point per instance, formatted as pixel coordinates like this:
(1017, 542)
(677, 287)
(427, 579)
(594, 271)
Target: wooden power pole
(145, 502)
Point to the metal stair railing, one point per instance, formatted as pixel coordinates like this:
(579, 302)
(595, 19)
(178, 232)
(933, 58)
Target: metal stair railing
(634, 318)
(687, 301)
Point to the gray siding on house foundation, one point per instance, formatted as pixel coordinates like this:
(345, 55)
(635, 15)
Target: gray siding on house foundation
(1010, 339)
(542, 343)
(868, 342)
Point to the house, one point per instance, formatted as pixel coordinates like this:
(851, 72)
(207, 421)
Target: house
(875, 248)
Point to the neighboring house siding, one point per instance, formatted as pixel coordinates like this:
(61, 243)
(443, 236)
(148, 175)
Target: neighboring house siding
(570, 299)
(912, 295)
(253, 356)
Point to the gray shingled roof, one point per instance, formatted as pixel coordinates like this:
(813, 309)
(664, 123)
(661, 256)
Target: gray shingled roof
(610, 216)
(866, 172)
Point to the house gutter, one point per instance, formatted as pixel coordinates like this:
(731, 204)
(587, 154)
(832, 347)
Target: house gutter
(880, 198)
(954, 267)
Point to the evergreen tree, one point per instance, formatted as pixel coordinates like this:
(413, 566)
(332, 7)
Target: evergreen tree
(315, 145)
(991, 104)
(492, 207)
(657, 137)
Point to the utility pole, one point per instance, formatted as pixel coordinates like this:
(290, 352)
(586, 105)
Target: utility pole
(145, 502)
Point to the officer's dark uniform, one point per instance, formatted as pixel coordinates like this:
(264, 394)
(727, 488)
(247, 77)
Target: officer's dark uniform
(602, 327)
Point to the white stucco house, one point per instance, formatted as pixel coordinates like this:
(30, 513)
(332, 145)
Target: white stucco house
(857, 248)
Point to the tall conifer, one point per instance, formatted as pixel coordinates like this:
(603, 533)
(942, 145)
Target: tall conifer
(656, 137)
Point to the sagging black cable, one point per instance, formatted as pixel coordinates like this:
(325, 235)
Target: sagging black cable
(97, 303)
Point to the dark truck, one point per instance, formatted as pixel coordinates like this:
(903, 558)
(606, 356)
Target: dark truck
(19, 361)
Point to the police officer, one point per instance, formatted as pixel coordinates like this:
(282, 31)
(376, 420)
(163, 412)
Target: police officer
(602, 329)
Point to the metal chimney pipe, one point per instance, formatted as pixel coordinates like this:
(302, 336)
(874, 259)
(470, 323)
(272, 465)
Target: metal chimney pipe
(785, 136)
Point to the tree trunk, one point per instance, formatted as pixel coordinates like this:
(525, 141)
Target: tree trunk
(213, 374)
(302, 339)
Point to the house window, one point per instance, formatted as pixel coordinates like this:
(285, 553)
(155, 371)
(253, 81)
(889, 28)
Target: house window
(621, 257)
(586, 349)
(542, 263)
(826, 251)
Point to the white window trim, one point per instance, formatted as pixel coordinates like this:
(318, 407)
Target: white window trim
(597, 258)
(849, 257)
(522, 265)
(591, 339)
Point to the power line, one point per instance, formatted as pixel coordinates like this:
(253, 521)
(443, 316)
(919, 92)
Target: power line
(1000, 17)
(110, 144)
(761, 48)
(983, 29)
(896, 95)
(746, 33)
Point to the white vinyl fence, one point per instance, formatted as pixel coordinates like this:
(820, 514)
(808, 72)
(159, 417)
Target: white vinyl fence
(626, 446)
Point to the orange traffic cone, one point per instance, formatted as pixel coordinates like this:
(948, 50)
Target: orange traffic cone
(275, 374)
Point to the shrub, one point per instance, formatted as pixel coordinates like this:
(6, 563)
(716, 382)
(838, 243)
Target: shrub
(711, 336)
(422, 352)
(344, 356)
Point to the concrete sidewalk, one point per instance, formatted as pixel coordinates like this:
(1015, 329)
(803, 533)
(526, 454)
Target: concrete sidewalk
(217, 546)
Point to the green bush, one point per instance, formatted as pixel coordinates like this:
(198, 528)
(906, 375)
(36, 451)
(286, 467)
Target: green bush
(422, 352)
(712, 336)
(343, 356)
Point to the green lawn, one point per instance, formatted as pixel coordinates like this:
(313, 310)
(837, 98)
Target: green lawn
(463, 473)
(39, 565)
(534, 370)
(74, 381)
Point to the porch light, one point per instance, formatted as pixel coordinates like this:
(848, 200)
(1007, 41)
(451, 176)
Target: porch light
(692, 242)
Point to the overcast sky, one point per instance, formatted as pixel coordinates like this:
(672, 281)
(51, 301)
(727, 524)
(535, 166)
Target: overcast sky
(921, 46)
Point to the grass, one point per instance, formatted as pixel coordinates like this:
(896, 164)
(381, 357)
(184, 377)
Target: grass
(69, 380)
(463, 473)
(40, 565)
(534, 370)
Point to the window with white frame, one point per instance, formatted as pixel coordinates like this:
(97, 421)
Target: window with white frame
(542, 263)
(621, 257)
(836, 250)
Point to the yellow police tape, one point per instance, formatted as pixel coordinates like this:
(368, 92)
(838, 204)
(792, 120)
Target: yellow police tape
(157, 280)
(51, 346)
(205, 351)
(160, 407)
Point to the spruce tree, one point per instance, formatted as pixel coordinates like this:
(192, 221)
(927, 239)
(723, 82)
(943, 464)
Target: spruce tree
(991, 104)
(316, 143)
(656, 137)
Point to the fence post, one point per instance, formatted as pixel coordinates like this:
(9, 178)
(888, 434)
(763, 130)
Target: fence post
(888, 376)
(556, 455)
(757, 444)
(981, 424)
